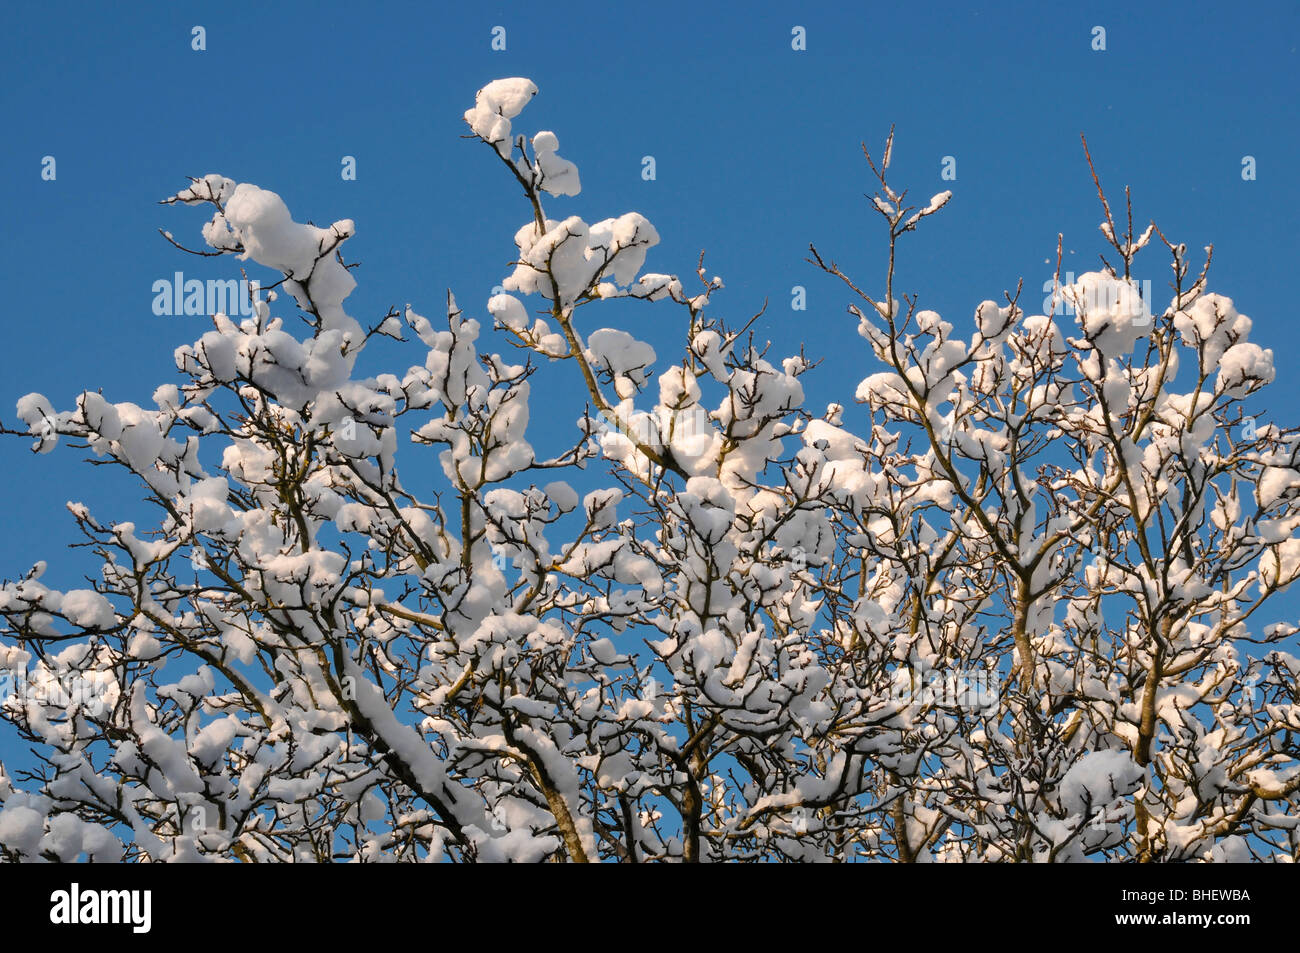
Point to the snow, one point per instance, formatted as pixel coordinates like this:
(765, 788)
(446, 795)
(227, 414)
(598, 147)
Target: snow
(1211, 325)
(1273, 484)
(210, 744)
(1243, 367)
(570, 256)
(1099, 778)
(21, 827)
(1110, 311)
(623, 357)
(601, 507)
(261, 221)
(551, 173)
(509, 311)
(87, 609)
(562, 495)
(495, 105)
(938, 201)
(362, 589)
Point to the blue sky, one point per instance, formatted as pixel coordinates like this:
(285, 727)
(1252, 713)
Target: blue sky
(756, 149)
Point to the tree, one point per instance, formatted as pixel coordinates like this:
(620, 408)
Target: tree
(1010, 619)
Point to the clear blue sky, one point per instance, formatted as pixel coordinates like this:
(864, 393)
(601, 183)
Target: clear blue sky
(756, 148)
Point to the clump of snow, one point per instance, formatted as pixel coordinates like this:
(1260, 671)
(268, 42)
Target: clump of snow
(509, 311)
(1110, 311)
(269, 235)
(495, 105)
(87, 609)
(570, 255)
(1099, 778)
(1211, 324)
(1242, 368)
(21, 826)
(550, 172)
(623, 357)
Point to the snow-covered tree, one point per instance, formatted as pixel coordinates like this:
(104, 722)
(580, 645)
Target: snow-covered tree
(1017, 614)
